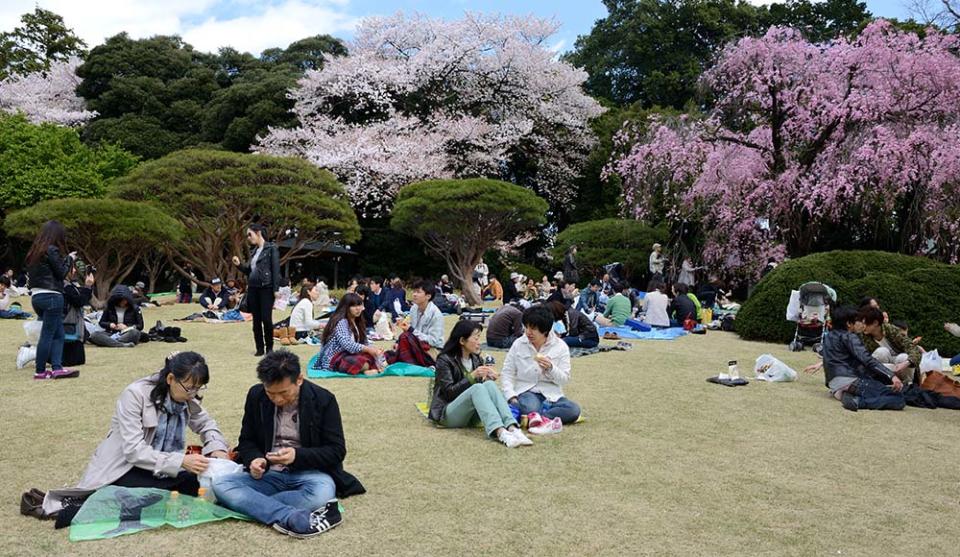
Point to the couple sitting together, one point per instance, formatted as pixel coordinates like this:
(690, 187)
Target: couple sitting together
(291, 444)
(345, 347)
(534, 372)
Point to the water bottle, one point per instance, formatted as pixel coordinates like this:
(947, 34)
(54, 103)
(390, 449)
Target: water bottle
(172, 510)
(733, 370)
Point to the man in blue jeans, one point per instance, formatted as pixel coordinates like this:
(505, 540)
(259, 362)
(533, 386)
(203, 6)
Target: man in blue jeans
(534, 372)
(291, 441)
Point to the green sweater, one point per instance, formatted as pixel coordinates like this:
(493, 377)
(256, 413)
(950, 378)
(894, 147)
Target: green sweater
(618, 309)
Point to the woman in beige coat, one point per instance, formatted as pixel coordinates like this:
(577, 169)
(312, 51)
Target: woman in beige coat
(146, 442)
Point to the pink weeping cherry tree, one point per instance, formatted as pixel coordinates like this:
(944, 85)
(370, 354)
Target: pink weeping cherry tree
(855, 142)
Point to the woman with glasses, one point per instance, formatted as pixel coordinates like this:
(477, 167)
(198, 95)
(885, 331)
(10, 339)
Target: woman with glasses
(147, 440)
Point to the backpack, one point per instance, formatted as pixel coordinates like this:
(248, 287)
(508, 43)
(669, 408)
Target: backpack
(727, 323)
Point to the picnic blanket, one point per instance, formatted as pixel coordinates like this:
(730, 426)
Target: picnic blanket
(424, 409)
(656, 334)
(398, 369)
(116, 511)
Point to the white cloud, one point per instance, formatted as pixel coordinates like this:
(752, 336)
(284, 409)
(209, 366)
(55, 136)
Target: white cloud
(261, 25)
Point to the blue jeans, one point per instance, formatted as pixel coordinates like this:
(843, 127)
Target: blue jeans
(577, 342)
(49, 309)
(955, 361)
(875, 395)
(567, 410)
(14, 314)
(287, 498)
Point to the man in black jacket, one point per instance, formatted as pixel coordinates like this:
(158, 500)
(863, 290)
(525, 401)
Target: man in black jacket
(214, 298)
(122, 317)
(853, 376)
(291, 441)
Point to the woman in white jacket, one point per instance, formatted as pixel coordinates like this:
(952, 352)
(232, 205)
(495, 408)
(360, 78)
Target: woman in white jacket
(301, 318)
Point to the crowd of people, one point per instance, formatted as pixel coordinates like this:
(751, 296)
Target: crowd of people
(292, 443)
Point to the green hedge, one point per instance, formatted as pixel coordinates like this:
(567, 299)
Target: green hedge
(600, 242)
(920, 291)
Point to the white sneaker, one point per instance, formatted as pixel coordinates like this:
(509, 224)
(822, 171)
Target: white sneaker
(508, 439)
(548, 428)
(521, 438)
(25, 355)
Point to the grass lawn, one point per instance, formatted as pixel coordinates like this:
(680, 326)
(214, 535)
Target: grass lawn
(665, 464)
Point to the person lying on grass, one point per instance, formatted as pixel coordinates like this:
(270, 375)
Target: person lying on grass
(291, 443)
(465, 391)
(147, 438)
(534, 372)
(853, 376)
(344, 340)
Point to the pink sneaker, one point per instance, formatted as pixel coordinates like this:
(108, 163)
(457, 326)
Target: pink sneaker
(64, 373)
(535, 420)
(41, 375)
(547, 427)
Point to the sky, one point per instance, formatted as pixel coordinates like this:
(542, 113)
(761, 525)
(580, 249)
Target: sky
(254, 25)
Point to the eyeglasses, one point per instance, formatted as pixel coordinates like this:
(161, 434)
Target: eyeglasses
(194, 391)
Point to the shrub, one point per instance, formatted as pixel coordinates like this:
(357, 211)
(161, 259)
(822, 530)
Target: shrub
(920, 291)
(600, 242)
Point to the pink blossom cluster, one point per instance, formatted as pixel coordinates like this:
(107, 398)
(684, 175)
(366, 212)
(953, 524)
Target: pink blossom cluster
(420, 98)
(803, 137)
(47, 96)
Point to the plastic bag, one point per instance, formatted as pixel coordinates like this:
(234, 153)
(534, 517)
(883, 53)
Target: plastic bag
(773, 370)
(32, 329)
(216, 469)
(793, 306)
(931, 361)
(383, 326)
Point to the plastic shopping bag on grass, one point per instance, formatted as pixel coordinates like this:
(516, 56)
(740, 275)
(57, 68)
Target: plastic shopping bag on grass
(773, 370)
(931, 362)
(32, 329)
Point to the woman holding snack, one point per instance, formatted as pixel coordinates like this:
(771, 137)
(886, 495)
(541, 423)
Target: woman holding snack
(465, 391)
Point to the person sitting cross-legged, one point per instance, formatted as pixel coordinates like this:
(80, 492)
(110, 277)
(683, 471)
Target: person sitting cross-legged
(465, 391)
(344, 340)
(534, 373)
(505, 326)
(888, 344)
(422, 332)
(855, 377)
(576, 330)
(121, 321)
(619, 308)
(292, 444)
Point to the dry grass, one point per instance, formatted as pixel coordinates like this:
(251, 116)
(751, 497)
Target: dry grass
(665, 464)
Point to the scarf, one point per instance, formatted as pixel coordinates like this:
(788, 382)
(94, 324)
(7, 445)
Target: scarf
(171, 426)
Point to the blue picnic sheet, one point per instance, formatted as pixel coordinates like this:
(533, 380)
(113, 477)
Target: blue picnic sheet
(655, 334)
(398, 369)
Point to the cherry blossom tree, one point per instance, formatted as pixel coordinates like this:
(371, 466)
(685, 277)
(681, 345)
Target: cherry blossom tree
(848, 143)
(46, 96)
(420, 98)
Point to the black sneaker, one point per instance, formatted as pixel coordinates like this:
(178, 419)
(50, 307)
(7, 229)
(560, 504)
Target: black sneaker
(850, 402)
(321, 520)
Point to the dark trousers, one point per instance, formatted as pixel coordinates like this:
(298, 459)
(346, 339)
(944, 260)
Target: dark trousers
(501, 342)
(875, 395)
(260, 304)
(579, 342)
(184, 482)
(49, 309)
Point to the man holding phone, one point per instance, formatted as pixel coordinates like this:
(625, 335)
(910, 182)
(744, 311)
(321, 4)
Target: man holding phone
(291, 441)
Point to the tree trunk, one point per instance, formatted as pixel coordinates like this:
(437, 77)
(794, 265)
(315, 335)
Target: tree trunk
(464, 274)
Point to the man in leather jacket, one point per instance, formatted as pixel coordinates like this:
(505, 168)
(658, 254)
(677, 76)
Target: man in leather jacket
(853, 376)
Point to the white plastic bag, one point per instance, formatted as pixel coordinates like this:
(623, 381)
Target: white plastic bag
(216, 469)
(931, 361)
(383, 326)
(793, 306)
(773, 370)
(32, 329)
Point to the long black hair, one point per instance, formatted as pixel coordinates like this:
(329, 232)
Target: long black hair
(461, 331)
(183, 366)
(348, 301)
(52, 233)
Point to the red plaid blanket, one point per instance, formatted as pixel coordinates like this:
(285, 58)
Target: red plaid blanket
(410, 350)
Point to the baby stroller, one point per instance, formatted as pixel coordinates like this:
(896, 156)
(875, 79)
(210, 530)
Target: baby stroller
(615, 270)
(810, 308)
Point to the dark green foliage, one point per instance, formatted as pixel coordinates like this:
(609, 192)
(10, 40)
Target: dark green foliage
(158, 95)
(652, 52)
(385, 252)
(920, 291)
(216, 194)
(459, 220)
(45, 161)
(110, 234)
(43, 38)
(600, 242)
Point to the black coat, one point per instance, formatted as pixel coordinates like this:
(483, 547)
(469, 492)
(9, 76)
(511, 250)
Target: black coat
(683, 307)
(75, 297)
(844, 355)
(210, 296)
(132, 316)
(509, 292)
(451, 380)
(267, 273)
(321, 434)
(49, 273)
